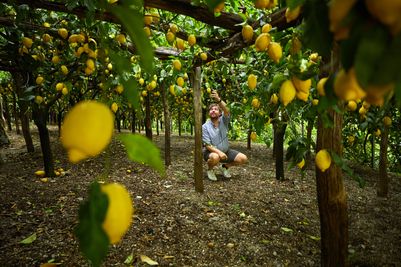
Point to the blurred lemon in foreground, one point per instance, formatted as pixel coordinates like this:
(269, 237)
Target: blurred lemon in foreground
(87, 130)
(119, 212)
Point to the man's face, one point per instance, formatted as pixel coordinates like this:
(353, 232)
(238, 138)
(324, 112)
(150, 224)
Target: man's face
(214, 112)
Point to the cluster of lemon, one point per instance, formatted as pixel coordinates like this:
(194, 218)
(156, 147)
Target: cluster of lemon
(87, 130)
(263, 42)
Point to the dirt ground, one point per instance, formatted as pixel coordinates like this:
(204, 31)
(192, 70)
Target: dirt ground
(250, 219)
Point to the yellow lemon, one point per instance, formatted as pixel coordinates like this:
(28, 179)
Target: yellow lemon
(262, 42)
(252, 81)
(179, 43)
(56, 59)
(301, 164)
(387, 121)
(338, 10)
(64, 91)
(170, 37)
(203, 56)
(38, 99)
(40, 173)
(292, 14)
(274, 99)
(320, 86)
(87, 130)
(387, 12)
(287, 92)
(119, 89)
(121, 38)
(64, 69)
(352, 105)
(302, 95)
(63, 33)
(59, 86)
(378, 133)
(180, 81)
(255, 103)
(191, 40)
(253, 136)
(177, 64)
(46, 38)
(141, 81)
(119, 211)
(219, 8)
(275, 51)
(172, 89)
(147, 30)
(346, 86)
(323, 160)
(302, 85)
(90, 63)
(153, 85)
(114, 107)
(266, 28)
(261, 4)
(147, 19)
(39, 80)
(173, 28)
(27, 42)
(315, 102)
(296, 45)
(247, 33)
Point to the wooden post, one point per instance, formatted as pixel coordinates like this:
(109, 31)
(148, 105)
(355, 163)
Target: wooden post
(198, 163)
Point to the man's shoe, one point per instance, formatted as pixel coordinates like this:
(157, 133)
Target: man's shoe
(211, 175)
(225, 171)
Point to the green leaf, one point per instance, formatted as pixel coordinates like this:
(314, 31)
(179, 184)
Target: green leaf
(314, 237)
(386, 70)
(93, 241)
(287, 230)
(317, 35)
(368, 56)
(132, 20)
(131, 92)
(291, 4)
(141, 149)
(213, 3)
(29, 239)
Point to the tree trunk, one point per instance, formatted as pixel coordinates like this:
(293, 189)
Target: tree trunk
(279, 132)
(248, 139)
(167, 128)
(332, 198)
(133, 120)
(7, 113)
(26, 131)
(59, 121)
(382, 185)
(157, 126)
(15, 111)
(3, 136)
(372, 155)
(39, 117)
(148, 119)
(309, 130)
(198, 162)
(179, 122)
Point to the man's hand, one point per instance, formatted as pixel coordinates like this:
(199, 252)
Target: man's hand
(215, 96)
(222, 156)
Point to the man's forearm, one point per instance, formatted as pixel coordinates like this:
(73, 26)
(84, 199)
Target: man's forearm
(223, 106)
(212, 148)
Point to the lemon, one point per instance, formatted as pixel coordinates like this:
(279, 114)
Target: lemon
(180, 81)
(301, 164)
(119, 211)
(109, 66)
(64, 91)
(27, 42)
(170, 37)
(323, 160)
(114, 107)
(40, 173)
(274, 99)
(320, 86)
(147, 30)
(253, 136)
(287, 92)
(375, 94)
(177, 64)
(362, 110)
(262, 42)
(56, 59)
(153, 85)
(203, 56)
(119, 89)
(387, 121)
(352, 105)
(247, 33)
(266, 28)
(38, 99)
(46, 25)
(46, 38)
(338, 10)
(346, 86)
(90, 64)
(191, 40)
(172, 89)
(302, 85)
(292, 14)
(261, 4)
(141, 81)
(147, 19)
(39, 80)
(387, 12)
(302, 95)
(275, 51)
(63, 33)
(378, 133)
(219, 8)
(252, 81)
(179, 43)
(121, 38)
(315, 102)
(87, 129)
(296, 45)
(255, 103)
(173, 28)
(64, 69)
(144, 93)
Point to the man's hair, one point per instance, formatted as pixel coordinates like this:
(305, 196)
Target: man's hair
(214, 105)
